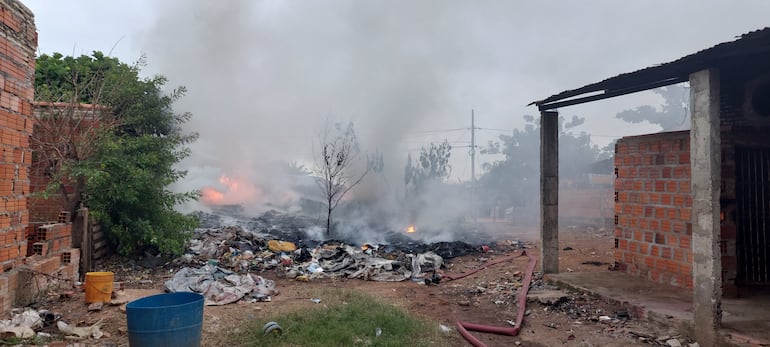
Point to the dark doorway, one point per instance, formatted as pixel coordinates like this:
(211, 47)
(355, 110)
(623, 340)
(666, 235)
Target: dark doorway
(753, 215)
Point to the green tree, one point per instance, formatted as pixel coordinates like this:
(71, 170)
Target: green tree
(423, 179)
(124, 177)
(672, 114)
(431, 166)
(514, 180)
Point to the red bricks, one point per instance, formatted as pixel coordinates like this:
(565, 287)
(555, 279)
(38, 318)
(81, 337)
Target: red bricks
(49, 239)
(653, 190)
(18, 44)
(48, 209)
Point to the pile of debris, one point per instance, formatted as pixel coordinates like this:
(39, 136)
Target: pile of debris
(222, 261)
(234, 249)
(31, 323)
(228, 260)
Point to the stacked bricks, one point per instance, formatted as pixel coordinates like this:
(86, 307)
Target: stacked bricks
(18, 42)
(49, 239)
(653, 207)
(39, 274)
(50, 261)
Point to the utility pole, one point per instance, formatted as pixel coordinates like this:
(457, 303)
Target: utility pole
(473, 164)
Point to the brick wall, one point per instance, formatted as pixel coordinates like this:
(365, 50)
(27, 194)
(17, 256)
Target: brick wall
(17, 64)
(57, 125)
(653, 207)
(18, 43)
(646, 168)
(24, 279)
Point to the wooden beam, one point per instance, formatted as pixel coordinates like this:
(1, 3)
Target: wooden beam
(86, 241)
(612, 93)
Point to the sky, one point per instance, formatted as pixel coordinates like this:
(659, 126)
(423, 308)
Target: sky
(265, 75)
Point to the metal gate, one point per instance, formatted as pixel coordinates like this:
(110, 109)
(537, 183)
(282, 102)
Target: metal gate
(753, 215)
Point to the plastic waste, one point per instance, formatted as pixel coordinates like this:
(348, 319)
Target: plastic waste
(281, 246)
(272, 328)
(82, 332)
(416, 272)
(315, 268)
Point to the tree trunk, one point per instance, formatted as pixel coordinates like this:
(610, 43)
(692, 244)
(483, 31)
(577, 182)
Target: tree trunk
(329, 221)
(71, 200)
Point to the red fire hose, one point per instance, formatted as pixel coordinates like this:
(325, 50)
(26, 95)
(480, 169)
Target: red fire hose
(465, 327)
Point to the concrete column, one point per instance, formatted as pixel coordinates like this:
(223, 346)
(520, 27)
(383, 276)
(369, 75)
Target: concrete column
(705, 164)
(549, 191)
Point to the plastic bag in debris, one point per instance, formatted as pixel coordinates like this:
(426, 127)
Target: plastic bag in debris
(281, 246)
(425, 262)
(220, 286)
(22, 325)
(204, 248)
(314, 268)
(29, 318)
(352, 262)
(81, 332)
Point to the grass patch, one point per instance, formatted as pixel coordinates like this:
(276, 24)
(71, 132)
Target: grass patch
(343, 318)
(18, 341)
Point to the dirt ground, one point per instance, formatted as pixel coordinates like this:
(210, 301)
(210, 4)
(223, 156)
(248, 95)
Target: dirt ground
(486, 297)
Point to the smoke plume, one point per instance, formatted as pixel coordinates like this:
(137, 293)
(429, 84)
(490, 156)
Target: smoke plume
(264, 77)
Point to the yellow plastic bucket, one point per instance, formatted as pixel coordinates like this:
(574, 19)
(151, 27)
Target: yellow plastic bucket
(99, 286)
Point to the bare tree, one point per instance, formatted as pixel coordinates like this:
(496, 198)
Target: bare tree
(65, 135)
(337, 168)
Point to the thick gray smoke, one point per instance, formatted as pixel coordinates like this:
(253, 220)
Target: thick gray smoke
(265, 76)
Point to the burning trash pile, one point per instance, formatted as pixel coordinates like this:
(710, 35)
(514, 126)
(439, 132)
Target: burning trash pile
(229, 258)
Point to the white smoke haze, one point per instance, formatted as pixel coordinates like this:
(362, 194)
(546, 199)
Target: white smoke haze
(264, 76)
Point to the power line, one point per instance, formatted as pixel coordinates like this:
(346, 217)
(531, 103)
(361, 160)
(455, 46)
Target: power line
(493, 129)
(438, 131)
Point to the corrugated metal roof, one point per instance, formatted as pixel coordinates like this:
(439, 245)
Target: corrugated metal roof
(753, 43)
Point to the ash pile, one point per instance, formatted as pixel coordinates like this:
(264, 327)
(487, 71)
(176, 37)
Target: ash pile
(223, 259)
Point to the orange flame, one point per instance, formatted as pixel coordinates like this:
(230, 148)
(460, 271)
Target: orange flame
(410, 229)
(212, 196)
(235, 191)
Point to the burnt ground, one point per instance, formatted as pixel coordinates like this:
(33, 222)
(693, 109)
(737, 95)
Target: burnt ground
(486, 297)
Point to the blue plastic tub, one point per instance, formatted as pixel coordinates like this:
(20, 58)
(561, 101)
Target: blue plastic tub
(167, 320)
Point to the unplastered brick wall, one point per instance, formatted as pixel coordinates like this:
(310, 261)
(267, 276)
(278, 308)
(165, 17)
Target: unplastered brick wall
(653, 207)
(18, 42)
(57, 125)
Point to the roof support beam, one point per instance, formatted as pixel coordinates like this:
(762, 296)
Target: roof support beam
(612, 93)
(705, 166)
(549, 191)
